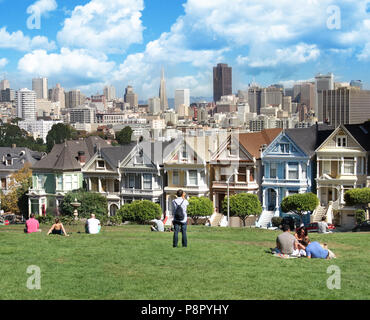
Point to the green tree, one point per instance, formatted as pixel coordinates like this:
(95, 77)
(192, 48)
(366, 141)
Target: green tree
(199, 207)
(357, 197)
(140, 211)
(58, 134)
(90, 203)
(300, 203)
(360, 216)
(243, 205)
(124, 136)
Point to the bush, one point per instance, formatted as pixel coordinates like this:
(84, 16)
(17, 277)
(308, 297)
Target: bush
(243, 205)
(140, 211)
(300, 203)
(276, 221)
(199, 207)
(90, 203)
(48, 219)
(360, 216)
(357, 196)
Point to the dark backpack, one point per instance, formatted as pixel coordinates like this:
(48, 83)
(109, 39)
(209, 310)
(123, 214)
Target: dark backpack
(179, 212)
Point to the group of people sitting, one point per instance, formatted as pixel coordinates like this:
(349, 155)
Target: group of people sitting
(300, 245)
(92, 226)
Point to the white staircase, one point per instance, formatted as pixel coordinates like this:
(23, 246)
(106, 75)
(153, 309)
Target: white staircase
(216, 219)
(265, 219)
(318, 214)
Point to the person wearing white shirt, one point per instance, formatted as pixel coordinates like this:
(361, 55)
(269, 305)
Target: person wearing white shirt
(93, 225)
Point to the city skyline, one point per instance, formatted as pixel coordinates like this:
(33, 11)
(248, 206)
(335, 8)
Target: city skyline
(88, 45)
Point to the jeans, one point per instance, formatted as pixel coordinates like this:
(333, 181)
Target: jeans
(180, 227)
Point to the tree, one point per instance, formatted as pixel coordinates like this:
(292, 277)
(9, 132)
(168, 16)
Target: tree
(140, 211)
(58, 134)
(199, 207)
(16, 200)
(243, 205)
(300, 203)
(124, 136)
(354, 197)
(360, 216)
(90, 203)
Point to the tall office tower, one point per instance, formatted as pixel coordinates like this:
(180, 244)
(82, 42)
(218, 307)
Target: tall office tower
(57, 95)
(26, 104)
(182, 97)
(4, 84)
(162, 92)
(110, 93)
(271, 96)
(307, 95)
(289, 92)
(154, 105)
(287, 104)
(322, 82)
(356, 83)
(344, 106)
(40, 86)
(131, 97)
(74, 98)
(254, 99)
(222, 81)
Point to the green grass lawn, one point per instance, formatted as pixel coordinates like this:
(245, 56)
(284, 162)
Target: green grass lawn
(130, 262)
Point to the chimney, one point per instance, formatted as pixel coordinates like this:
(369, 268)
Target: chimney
(82, 157)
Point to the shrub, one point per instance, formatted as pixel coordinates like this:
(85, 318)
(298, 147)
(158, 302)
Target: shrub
(300, 203)
(48, 219)
(90, 203)
(276, 221)
(199, 207)
(140, 211)
(357, 196)
(243, 205)
(360, 216)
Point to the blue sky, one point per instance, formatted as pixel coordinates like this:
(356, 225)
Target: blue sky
(92, 43)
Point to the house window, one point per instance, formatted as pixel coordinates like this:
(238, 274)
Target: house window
(304, 171)
(68, 182)
(193, 177)
(60, 183)
(75, 182)
(3, 183)
(242, 176)
(101, 164)
(284, 147)
(139, 159)
(147, 179)
(341, 141)
(349, 166)
(326, 167)
(116, 186)
(184, 153)
(273, 170)
(293, 171)
(175, 178)
(131, 181)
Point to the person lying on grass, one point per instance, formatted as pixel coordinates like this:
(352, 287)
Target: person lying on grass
(316, 251)
(58, 228)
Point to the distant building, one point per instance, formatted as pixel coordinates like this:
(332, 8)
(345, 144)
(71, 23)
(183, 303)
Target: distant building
(26, 104)
(154, 105)
(4, 84)
(40, 86)
(131, 97)
(322, 82)
(7, 95)
(356, 83)
(38, 128)
(110, 93)
(162, 92)
(182, 97)
(82, 114)
(74, 98)
(57, 94)
(222, 81)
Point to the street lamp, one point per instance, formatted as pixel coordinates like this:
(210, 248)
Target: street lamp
(228, 196)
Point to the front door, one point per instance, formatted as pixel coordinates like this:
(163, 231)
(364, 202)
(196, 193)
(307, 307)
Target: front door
(271, 200)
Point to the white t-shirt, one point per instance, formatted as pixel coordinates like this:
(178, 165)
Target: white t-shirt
(93, 225)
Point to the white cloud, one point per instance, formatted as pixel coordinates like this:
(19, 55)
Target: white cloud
(365, 53)
(42, 7)
(107, 26)
(18, 41)
(68, 65)
(301, 53)
(3, 62)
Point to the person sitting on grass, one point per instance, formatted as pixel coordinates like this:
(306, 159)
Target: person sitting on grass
(301, 236)
(58, 228)
(316, 251)
(323, 226)
(286, 243)
(158, 225)
(32, 225)
(92, 225)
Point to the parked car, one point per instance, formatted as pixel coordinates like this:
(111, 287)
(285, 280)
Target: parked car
(292, 222)
(364, 226)
(314, 227)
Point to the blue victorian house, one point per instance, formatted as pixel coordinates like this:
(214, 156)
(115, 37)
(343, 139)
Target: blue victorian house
(288, 169)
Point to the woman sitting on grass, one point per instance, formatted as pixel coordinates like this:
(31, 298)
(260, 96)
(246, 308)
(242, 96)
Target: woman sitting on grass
(58, 228)
(301, 236)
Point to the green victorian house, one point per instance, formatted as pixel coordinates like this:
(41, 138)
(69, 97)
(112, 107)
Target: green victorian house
(59, 173)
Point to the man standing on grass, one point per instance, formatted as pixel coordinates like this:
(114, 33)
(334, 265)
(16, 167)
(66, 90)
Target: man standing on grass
(180, 218)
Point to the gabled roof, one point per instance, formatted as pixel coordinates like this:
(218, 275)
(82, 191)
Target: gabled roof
(115, 155)
(19, 156)
(64, 156)
(253, 141)
(361, 132)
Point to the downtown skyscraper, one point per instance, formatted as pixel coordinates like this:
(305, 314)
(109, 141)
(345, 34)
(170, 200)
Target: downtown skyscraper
(40, 86)
(222, 81)
(162, 92)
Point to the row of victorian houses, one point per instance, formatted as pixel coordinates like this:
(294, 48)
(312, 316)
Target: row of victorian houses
(273, 164)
